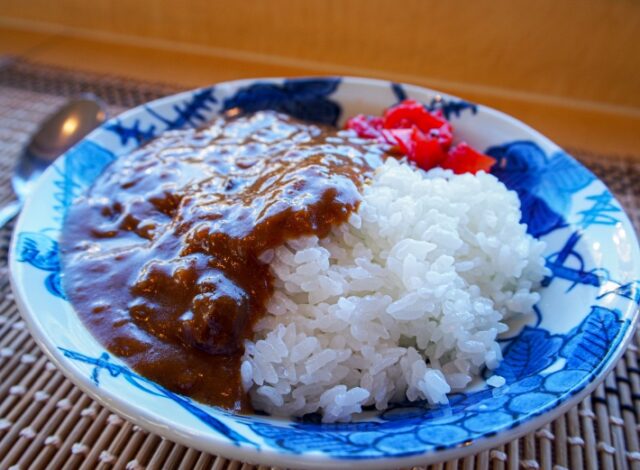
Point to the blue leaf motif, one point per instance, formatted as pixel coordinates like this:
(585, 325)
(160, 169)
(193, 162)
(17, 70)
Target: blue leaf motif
(82, 165)
(544, 184)
(537, 214)
(133, 132)
(591, 341)
(562, 176)
(561, 268)
(148, 386)
(54, 285)
(601, 211)
(532, 351)
(451, 108)
(517, 167)
(524, 165)
(191, 112)
(630, 290)
(517, 163)
(567, 174)
(398, 91)
(312, 87)
(39, 250)
(305, 99)
(86, 161)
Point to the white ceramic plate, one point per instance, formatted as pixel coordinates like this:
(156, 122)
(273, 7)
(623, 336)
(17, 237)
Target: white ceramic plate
(581, 326)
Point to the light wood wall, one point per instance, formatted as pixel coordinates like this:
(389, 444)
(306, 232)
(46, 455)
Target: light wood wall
(585, 53)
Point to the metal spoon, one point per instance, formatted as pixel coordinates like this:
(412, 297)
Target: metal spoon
(56, 135)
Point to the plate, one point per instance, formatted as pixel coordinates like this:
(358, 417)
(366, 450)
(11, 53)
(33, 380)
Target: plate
(552, 359)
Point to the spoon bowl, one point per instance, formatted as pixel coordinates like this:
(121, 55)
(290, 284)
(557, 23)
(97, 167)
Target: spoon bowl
(57, 134)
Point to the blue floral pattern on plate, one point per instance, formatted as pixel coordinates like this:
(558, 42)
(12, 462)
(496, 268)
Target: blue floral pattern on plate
(306, 99)
(544, 184)
(546, 361)
(191, 112)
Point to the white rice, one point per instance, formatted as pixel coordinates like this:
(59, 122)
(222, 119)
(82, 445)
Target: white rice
(404, 301)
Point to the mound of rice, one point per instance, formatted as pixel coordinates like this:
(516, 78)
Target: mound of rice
(403, 302)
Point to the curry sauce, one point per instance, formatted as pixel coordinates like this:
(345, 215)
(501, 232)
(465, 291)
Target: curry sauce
(162, 254)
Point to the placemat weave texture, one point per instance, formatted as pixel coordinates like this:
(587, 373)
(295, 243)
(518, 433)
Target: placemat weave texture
(46, 422)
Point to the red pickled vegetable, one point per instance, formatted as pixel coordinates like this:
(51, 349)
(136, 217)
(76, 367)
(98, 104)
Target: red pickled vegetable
(366, 126)
(464, 159)
(428, 151)
(399, 139)
(424, 136)
(411, 113)
(444, 135)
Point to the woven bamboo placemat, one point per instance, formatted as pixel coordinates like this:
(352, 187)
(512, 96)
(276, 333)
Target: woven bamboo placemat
(46, 422)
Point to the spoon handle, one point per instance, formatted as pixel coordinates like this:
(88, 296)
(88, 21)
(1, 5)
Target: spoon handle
(9, 211)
